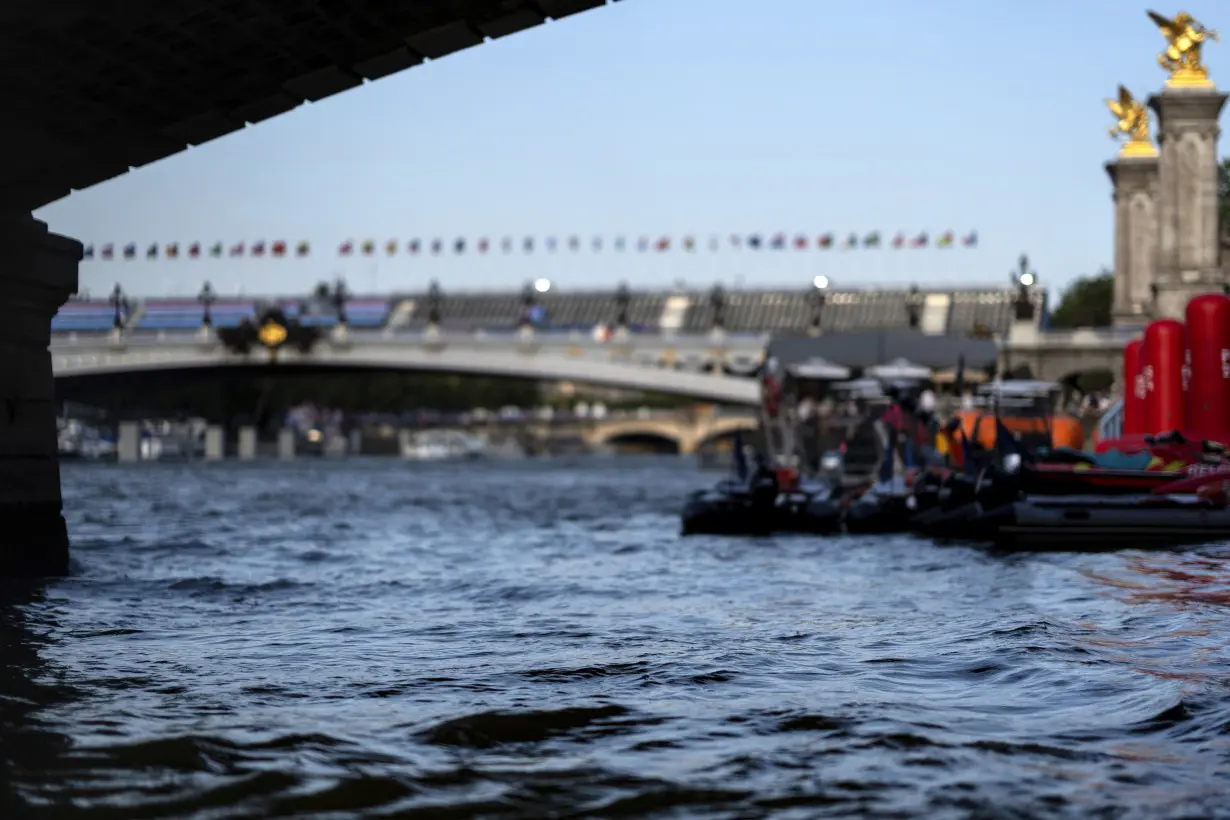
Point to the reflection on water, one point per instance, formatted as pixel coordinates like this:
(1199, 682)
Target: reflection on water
(521, 640)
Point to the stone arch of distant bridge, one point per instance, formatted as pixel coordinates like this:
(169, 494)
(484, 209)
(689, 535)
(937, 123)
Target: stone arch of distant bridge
(688, 436)
(629, 375)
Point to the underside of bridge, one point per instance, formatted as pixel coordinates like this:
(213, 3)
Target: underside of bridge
(92, 88)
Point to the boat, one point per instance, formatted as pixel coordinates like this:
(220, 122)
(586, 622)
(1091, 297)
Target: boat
(442, 445)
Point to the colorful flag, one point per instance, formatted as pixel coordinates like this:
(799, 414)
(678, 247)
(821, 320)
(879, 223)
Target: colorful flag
(779, 241)
(216, 250)
(528, 244)
(664, 244)
(303, 248)
(753, 241)
(920, 241)
(825, 241)
(689, 244)
(597, 244)
(801, 242)
(945, 240)
(970, 240)
(620, 243)
(415, 246)
(483, 245)
(390, 247)
(279, 248)
(237, 249)
(130, 250)
(194, 250)
(574, 243)
(642, 244)
(108, 251)
(258, 248)
(715, 244)
(736, 241)
(368, 247)
(459, 246)
(87, 252)
(506, 244)
(551, 244)
(346, 248)
(172, 250)
(899, 240)
(152, 251)
(872, 240)
(851, 242)
(437, 245)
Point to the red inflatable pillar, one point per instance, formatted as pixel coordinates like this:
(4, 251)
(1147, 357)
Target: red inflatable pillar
(1165, 348)
(1208, 354)
(1135, 409)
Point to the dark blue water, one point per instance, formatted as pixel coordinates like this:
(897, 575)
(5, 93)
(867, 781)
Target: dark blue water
(534, 640)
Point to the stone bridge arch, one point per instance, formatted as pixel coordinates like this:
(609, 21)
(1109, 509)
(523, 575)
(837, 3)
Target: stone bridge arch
(687, 435)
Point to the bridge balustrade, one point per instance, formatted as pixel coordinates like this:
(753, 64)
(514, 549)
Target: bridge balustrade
(84, 317)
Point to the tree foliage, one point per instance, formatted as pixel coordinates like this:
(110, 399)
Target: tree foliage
(1086, 303)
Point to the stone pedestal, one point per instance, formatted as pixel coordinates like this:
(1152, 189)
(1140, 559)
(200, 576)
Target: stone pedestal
(247, 443)
(128, 442)
(215, 443)
(1188, 242)
(286, 443)
(1135, 181)
(38, 272)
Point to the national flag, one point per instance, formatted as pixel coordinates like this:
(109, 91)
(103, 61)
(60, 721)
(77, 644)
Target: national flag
(215, 250)
(237, 249)
(620, 244)
(278, 248)
(642, 244)
(851, 242)
(459, 246)
(368, 247)
(970, 240)
(414, 246)
(551, 244)
(108, 251)
(664, 244)
(130, 250)
(779, 241)
(899, 240)
(194, 250)
(346, 248)
(801, 242)
(715, 244)
(437, 245)
(945, 240)
(506, 244)
(596, 244)
(753, 241)
(574, 243)
(528, 244)
(258, 248)
(152, 251)
(172, 250)
(736, 241)
(872, 240)
(483, 245)
(825, 241)
(920, 241)
(390, 247)
(689, 243)
(303, 248)
(87, 252)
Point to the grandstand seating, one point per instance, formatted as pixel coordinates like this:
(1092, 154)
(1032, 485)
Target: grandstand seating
(185, 314)
(84, 317)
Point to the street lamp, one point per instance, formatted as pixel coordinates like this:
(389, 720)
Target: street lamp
(434, 299)
(1024, 278)
(119, 302)
(207, 297)
(623, 298)
(914, 306)
(717, 301)
(340, 296)
(527, 303)
(817, 297)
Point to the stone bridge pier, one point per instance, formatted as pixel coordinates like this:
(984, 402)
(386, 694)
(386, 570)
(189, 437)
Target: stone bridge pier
(38, 274)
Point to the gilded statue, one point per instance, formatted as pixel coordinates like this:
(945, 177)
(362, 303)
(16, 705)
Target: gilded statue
(1133, 122)
(1185, 37)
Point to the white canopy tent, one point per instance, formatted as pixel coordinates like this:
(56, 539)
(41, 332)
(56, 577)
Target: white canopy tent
(898, 369)
(819, 368)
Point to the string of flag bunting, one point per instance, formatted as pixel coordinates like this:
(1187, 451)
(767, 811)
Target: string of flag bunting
(507, 245)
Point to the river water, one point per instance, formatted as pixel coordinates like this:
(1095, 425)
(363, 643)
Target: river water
(533, 639)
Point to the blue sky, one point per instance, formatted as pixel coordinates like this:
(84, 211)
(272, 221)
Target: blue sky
(668, 117)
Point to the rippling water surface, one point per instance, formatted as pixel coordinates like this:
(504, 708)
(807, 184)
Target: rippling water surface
(371, 638)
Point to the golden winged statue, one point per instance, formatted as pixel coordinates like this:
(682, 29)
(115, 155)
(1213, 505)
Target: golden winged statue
(1184, 39)
(1133, 122)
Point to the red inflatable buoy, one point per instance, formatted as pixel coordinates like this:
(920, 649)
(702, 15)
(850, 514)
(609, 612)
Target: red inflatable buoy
(1135, 408)
(1208, 358)
(1165, 349)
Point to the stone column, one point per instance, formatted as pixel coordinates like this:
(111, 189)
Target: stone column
(128, 442)
(215, 443)
(1136, 227)
(38, 272)
(1188, 243)
(247, 443)
(286, 443)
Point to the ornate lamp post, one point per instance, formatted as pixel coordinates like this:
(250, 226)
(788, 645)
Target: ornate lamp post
(207, 297)
(339, 297)
(817, 298)
(1024, 278)
(623, 298)
(717, 301)
(914, 306)
(435, 297)
(120, 303)
(527, 306)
